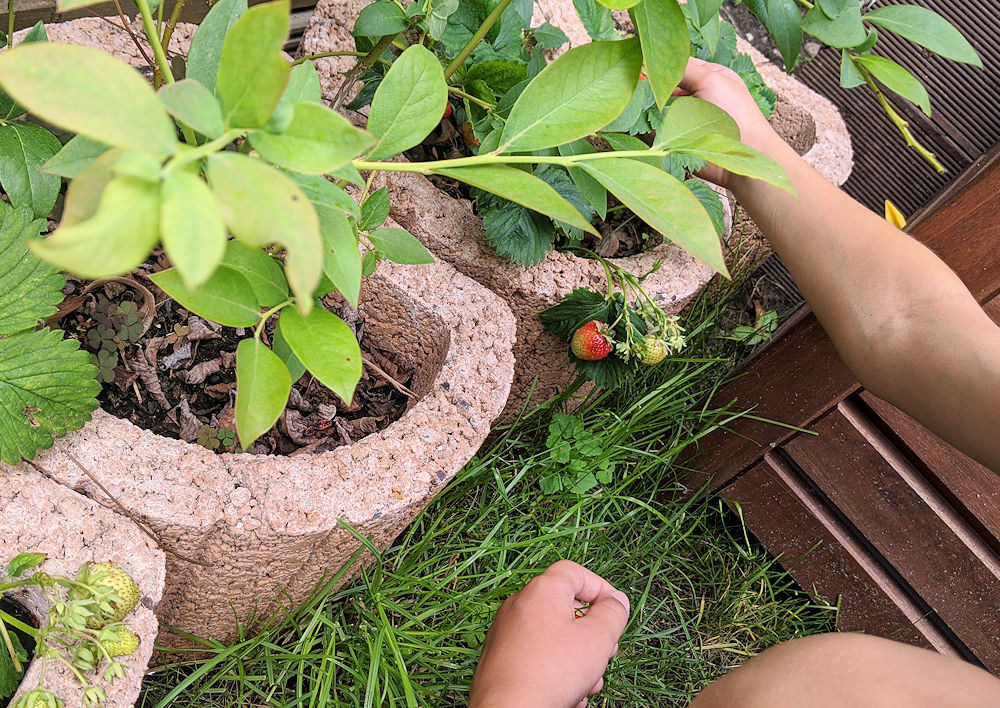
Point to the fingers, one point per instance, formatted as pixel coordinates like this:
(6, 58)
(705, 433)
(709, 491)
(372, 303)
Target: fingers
(610, 614)
(699, 74)
(579, 583)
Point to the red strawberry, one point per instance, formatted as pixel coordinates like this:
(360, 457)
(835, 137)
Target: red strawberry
(590, 342)
(447, 111)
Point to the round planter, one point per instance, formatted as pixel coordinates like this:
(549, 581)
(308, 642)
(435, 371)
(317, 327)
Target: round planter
(40, 515)
(245, 528)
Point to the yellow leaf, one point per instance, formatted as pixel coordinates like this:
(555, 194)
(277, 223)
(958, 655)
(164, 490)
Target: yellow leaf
(894, 216)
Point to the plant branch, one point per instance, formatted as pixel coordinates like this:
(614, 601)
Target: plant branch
(154, 40)
(474, 41)
(324, 55)
(495, 159)
(469, 97)
(126, 27)
(10, 648)
(900, 122)
(201, 151)
(267, 315)
(358, 69)
(18, 624)
(168, 31)
(806, 4)
(10, 24)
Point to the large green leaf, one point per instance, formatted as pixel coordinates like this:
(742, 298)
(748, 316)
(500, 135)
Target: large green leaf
(704, 11)
(263, 383)
(47, 387)
(576, 95)
(926, 28)
(784, 23)
(116, 239)
(843, 30)
(521, 187)
(88, 92)
(690, 118)
(252, 71)
(191, 103)
(24, 148)
(8, 107)
(341, 258)
(666, 46)
(663, 202)
(325, 195)
(736, 157)
(75, 156)
(262, 272)
(408, 103)
(30, 290)
(327, 346)
(280, 347)
(226, 297)
(592, 190)
(897, 78)
(191, 227)
(262, 206)
(303, 84)
(379, 19)
(850, 77)
(206, 45)
(315, 142)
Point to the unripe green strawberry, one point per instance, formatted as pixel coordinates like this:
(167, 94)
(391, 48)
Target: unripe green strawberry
(126, 643)
(590, 342)
(653, 351)
(118, 580)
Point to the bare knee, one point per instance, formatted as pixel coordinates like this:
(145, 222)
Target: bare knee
(851, 669)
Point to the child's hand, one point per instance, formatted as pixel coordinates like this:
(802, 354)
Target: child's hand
(722, 86)
(539, 654)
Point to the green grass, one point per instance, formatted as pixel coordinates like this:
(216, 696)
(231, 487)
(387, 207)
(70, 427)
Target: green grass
(704, 595)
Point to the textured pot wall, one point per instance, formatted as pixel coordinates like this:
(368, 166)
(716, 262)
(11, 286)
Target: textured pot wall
(250, 526)
(42, 516)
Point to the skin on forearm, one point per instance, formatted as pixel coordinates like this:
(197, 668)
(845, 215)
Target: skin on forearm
(900, 318)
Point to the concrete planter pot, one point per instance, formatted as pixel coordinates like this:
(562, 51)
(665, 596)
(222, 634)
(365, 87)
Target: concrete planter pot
(43, 516)
(245, 528)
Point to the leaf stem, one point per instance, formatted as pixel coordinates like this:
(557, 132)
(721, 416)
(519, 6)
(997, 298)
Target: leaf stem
(201, 151)
(266, 316)
(495, 159)
(806, 4)
(175, 16)
(899, 121)
(469, 97)
(324, 55)
(18, 624)
(10, 648)
(474, 41)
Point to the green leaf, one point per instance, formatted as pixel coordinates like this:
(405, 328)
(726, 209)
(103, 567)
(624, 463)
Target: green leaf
(325, 195)
(437, 21)
(83, 195)
(24, 562)
(850, 77)
(260, 270)
(262, 206)
(665, 44)
(928, 29)
(24, 148)
(262, 387)
(400, 246)
(706, 10)
(369, 263)
(897, 78)
(303, 84)
(328, 348)
(380, 19)
(501, 75)
(549, 36)
(85, 91)
(523, 188)
(9, 107)
(30, 290)
(576, 95)
(317, 141)
(596, 20)
(689, 118)
(618, 4)
(592, 190)
(191, 227)
(226, 297)
(784, 24)
(74, 157)
(844, 30)
(522, 235)
(375, 209)
(47, 387)
(191, 103)
(206, 44)
(736, 157)
(342, 259)
(408, 104)
(116, 239)
(280, 347)
(137, 163)
(664, 203)
(712, 202)
(252, 71)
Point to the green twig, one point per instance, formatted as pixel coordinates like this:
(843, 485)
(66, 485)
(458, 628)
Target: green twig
(10, 648)
(474, 41)
(324, 55)
(469, 97)
(363, 65)
(806, 4)
(201, 151)
(495, 159)
(900, 122)
(266, 316)
(168, 31)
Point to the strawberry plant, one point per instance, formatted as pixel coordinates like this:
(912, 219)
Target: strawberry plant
(82, 629)
(238, 170)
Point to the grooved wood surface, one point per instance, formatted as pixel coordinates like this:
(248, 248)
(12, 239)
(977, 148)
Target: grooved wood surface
(825, 557)
(911, 527)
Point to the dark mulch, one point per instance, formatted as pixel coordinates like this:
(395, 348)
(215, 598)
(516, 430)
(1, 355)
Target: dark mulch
(178, 379)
